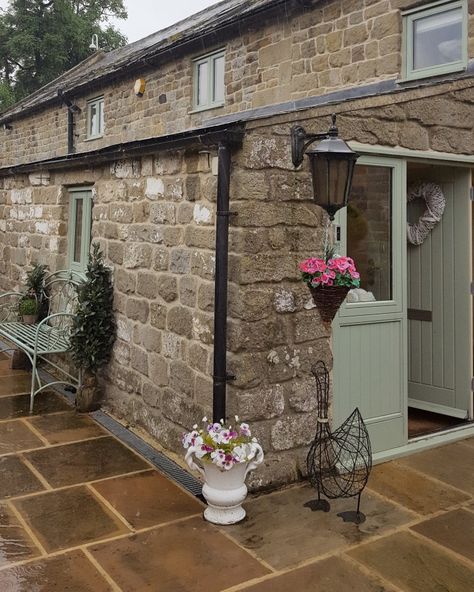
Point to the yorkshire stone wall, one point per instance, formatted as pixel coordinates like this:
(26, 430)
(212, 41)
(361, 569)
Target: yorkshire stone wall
(155, 218)
(305, 51)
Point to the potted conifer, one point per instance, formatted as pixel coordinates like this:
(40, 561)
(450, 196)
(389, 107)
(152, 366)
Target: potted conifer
(94, 328)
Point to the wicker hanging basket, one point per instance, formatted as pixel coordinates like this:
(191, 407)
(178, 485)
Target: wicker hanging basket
(328, 299)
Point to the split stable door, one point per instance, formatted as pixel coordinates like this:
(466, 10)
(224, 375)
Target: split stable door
(384, 357)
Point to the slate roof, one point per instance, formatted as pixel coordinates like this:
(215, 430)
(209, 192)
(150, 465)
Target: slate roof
(103, 65)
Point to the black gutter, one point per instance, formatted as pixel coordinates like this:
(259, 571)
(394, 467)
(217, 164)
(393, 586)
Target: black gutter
(209, 136)
(71, 111)
(220, 377)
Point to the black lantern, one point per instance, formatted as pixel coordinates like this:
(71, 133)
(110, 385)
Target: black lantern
(332, 165)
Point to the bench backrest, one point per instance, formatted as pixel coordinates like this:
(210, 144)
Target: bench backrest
(61, 292)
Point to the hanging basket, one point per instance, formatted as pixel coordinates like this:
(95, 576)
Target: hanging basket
(328, 299)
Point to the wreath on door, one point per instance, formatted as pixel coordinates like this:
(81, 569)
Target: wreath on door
(435, 201)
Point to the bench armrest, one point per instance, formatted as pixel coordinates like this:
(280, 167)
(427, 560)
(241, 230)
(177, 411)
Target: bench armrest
(9, 302)
(57, 333)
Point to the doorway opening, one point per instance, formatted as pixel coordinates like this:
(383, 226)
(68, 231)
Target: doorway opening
(439, 306)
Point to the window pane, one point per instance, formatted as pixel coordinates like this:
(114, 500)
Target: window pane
(101, 117)
(93, 119)
(369, 230)
(203, 83)
(437, 39)
(79, 206)
(218, 83)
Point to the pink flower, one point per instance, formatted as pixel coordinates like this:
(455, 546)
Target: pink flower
(355, 275)
(312, 265)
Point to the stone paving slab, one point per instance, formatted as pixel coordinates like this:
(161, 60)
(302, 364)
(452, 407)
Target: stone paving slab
(451, 464)
(68, 518)
(147, 499)
(17, 479)
(81, 512)
(71, 572)
(415, 565)
(334, 574)
(284, 533)
(19, 405)
(62, 428)
(15, 544)
(414, 490)
(89, 460)
(187, 555)
(454, 530)
(16, 436)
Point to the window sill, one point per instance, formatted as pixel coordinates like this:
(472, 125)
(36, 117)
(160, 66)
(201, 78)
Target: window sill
(206, 108)
(432, 74)
(92, 138)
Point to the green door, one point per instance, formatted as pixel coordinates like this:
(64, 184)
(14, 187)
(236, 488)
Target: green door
(439, 301)
(370, 332)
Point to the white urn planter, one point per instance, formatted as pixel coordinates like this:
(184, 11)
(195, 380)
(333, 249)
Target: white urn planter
(224, 490)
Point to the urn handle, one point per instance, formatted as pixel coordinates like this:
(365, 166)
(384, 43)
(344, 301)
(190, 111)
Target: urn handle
(258, 460)
(190, 461)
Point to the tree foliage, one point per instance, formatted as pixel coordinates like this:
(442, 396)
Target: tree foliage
(41, 39)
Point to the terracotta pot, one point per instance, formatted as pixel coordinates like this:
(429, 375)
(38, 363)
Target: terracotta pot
(89, 394)
(225, 491)
(328, 299)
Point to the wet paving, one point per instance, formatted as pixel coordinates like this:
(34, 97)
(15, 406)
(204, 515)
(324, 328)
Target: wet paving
(82, 512)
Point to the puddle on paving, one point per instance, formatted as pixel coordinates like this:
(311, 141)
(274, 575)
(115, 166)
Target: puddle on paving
(15, 544)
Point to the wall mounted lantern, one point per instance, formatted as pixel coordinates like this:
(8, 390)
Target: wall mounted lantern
(332, 165)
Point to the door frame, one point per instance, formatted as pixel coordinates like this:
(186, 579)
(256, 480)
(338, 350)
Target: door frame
(406, 155)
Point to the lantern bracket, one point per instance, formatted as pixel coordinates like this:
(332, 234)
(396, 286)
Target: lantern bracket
(301, 140)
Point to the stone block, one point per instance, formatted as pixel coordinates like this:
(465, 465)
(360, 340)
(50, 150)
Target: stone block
(182, 377)
(137, 310)
(152, 394)
(148, 285)
(158, 370)
(150, 338)
(154, 188)
(206, 296)
(137, 255)
(158, 314)
(125, 169)
(294, 431)
(303, 395)
(171, 345)
(160, 258)
(166, 287)
(139, 360)
(163, 213)
(180, 320)
(125, 281)
(181, 409)
(386, 25)
(203, 391)
(187, 290)
(203, 327)
(277, 470)
(180, 261)
(263, 403)
(198, 357)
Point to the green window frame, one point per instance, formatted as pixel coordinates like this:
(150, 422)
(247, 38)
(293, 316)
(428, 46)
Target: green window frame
(208, 81)
(411, 19)
(79, 229)
(95, 118)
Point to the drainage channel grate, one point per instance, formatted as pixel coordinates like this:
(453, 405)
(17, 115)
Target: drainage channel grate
(161, 462)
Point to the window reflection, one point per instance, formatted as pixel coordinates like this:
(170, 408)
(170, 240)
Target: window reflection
(369, 232)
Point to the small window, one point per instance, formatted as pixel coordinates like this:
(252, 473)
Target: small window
(209, 81)
(95, 118)
(435, 39)
(79, 232)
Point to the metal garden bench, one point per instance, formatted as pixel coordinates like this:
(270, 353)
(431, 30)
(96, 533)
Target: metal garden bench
(50, 336)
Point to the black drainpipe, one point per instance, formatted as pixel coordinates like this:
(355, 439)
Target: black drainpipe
(221, 377)
(71, 110)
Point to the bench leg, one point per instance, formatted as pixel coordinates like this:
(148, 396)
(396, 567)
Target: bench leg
(34, 379)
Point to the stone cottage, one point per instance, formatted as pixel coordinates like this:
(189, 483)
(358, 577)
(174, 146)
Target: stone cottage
(131, 149)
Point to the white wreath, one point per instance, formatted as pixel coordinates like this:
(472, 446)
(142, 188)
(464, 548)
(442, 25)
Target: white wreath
(435, 204)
